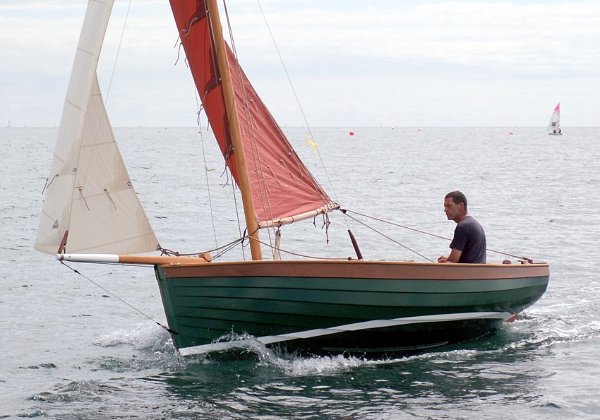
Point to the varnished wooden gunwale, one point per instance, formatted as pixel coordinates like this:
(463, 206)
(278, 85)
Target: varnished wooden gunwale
(355, 269)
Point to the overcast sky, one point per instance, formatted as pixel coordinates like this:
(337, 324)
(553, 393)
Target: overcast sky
(352, 63)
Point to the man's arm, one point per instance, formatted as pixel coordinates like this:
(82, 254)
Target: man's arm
(454, 256)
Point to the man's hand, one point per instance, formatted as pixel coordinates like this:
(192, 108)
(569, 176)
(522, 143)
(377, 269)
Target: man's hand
(454, 257)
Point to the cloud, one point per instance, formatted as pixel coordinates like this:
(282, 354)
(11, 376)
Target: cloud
(379, 62)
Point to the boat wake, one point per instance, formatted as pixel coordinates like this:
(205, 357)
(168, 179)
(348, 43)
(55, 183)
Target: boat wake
(146, 337)
(545, 330)
(531, 333)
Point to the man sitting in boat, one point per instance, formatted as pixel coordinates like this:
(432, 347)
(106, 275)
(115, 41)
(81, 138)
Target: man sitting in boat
(468, 244)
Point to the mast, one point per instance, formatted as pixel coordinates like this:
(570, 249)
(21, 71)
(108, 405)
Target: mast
(234, 129)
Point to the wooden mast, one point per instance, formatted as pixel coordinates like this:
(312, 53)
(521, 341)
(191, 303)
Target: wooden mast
(234, 129)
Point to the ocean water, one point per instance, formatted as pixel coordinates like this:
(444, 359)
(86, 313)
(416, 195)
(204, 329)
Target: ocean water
(88, 345)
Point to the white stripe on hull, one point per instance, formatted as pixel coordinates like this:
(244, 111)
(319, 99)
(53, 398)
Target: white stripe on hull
(359, 326)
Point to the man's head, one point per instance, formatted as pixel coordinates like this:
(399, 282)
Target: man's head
(455, 206)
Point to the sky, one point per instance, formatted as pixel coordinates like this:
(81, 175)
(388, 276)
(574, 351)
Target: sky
(351, 63)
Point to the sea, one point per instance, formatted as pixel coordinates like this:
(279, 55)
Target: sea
(85, 341)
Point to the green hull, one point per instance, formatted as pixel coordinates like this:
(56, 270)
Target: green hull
(202, 307)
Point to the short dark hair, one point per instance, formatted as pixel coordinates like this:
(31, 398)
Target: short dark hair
(457, 197)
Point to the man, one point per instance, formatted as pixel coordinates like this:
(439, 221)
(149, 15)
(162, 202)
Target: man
(468, 244)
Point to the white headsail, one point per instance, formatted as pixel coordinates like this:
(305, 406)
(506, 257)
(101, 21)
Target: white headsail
(89, 200)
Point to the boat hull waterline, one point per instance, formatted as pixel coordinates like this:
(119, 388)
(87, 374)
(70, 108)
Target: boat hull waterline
(351, 307)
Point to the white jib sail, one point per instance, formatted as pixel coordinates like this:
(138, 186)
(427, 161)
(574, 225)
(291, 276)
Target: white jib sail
(88, 192)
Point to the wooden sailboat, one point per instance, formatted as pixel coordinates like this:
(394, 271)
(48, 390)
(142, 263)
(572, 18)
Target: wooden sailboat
(554, 124)
(92, 214)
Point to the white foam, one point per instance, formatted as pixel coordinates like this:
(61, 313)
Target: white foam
(145, 336)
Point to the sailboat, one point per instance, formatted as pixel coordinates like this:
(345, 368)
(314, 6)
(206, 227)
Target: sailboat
(91, 213)
(554, 124)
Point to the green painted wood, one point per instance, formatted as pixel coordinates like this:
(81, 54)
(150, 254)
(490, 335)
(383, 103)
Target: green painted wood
(282, 300)
(336, 284)
(205, 309)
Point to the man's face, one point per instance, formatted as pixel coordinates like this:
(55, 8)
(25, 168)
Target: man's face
(453, 211)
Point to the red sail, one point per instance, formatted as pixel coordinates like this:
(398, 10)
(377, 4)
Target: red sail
(281, 186)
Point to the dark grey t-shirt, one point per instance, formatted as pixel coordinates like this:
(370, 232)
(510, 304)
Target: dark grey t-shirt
(469, 238)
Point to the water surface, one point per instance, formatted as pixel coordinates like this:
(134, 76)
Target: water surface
(73, 350)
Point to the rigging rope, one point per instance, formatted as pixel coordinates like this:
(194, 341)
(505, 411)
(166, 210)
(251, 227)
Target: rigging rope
(221, 250)
(210, 204)
(385, 236)
(117, 55)
(297, 98)
(237, 210)
(301, 255)
(345, 211)
(394, 224)
(226, 171)
(118, 298)
(258, 168)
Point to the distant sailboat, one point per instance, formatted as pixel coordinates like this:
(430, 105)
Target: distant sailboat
(554, 125)
(350, 306)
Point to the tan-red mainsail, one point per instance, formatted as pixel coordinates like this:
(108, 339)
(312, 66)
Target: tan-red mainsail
(282, 188)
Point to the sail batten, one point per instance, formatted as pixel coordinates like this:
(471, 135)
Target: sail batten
(281, 186)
